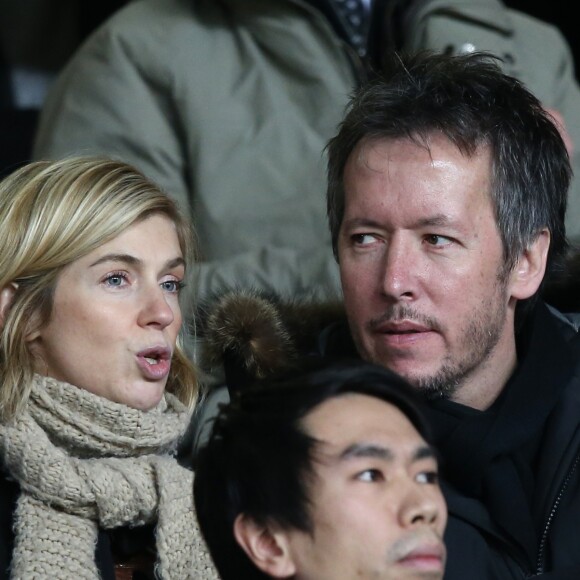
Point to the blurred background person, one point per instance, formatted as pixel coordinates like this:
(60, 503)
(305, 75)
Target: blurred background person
(228, 106)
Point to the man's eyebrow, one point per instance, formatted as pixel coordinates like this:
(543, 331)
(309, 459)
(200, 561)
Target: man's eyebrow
(132, 260)
(424, 452)
(361, 222)
(367, 450)
(357, 450)
(440, 219)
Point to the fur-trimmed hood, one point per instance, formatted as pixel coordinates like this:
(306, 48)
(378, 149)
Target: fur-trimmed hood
(253, 334)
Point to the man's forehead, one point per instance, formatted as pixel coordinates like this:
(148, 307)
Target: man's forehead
(351, 425)
(403, 180)
(375, 152)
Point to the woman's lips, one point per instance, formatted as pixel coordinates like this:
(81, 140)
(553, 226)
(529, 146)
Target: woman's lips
(154, 362)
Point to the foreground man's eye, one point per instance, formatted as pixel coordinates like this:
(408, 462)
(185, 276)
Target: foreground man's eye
(370, 475)
(428, 477)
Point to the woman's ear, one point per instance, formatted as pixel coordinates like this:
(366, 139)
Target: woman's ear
(6, 297)
(267, 549)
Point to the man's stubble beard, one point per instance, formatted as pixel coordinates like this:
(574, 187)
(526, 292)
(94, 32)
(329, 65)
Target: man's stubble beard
(481, 336)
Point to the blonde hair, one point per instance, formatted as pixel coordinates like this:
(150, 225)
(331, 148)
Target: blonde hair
(51, 214)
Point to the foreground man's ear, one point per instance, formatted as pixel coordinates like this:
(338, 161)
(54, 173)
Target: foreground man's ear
(6, 297)
(529, 271)
(268, 550)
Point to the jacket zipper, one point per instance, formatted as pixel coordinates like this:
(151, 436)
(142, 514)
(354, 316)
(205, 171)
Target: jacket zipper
(542, 548)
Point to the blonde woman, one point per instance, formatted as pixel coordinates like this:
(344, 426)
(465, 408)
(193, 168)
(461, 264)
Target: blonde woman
(95, 390)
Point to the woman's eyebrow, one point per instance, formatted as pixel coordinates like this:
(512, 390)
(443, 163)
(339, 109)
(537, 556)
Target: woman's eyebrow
(125, 258)
(132, 260)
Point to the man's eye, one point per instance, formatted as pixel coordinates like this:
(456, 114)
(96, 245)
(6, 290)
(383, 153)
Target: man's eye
(370, 475)
(363, 239)
(427, 477)
(437, 240)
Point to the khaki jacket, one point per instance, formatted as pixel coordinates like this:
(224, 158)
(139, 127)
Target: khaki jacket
(228, 105)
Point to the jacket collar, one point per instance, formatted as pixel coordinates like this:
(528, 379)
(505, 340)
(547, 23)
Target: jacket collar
(492, 454)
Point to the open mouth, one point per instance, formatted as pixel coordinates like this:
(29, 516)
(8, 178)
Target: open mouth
(155, 355)
(154, 362)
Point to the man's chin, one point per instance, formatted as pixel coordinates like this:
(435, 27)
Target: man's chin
(415, 369)
(432, 381)
(441, 384)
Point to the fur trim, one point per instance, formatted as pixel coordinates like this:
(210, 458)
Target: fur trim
(259, 333)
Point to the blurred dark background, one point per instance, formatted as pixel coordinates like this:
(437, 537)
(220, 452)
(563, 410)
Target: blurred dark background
(36, 39)
(558, 12)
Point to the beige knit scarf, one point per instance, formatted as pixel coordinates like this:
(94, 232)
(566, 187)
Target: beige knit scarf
(84, 462)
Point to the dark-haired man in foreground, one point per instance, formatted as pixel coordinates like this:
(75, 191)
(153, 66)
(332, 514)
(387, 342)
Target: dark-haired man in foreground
(325, 474)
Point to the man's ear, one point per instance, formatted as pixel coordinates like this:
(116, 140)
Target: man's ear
(530, 268)
(268, 550)
(6, 297)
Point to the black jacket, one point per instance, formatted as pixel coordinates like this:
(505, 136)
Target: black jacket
(513, 480)
(511, 474)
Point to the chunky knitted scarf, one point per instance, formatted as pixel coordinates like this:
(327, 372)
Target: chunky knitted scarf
(84, 462)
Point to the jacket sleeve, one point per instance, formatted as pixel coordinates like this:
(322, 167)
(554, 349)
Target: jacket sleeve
(287, 272)
(105, 103)
(109, 100)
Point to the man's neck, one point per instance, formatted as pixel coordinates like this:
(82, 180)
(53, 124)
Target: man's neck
(486, 383)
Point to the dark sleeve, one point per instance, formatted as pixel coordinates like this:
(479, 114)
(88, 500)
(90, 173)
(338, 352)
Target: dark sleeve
(470, 554)
(572, 573)
(8, 496)
(104, 556)
(132, 546)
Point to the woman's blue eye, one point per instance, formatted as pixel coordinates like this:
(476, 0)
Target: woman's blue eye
(173, 286)
(115, 280)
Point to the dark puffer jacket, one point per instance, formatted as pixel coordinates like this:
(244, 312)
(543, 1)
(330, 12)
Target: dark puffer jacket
(511, 474)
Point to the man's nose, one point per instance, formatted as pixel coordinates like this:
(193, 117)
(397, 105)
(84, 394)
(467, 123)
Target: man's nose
(422, 505)
(398, 275)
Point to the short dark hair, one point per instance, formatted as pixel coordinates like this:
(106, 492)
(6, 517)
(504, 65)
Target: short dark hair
(469, 100)
(258, 458)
